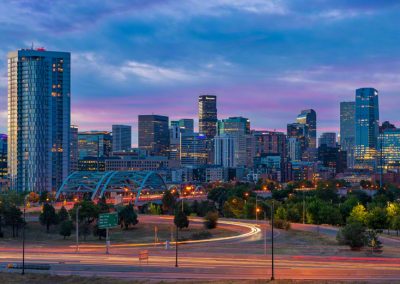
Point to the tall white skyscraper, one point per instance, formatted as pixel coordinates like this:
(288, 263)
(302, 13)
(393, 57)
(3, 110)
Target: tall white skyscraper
(38, 119)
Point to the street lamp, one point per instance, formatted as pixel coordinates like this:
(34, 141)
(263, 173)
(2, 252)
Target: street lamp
(272, 243)
(77, 226)
(23, 239)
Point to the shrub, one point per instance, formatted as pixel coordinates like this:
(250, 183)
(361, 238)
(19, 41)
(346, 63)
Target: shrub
(211, 220)
(66, 228)
(353, 235)
(281, 224)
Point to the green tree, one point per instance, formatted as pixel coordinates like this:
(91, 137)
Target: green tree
(281, 213)
(48, 216)
(180, 219)
(219, 195)
(348, 205)
(13, 218)
(233, 207)
(88, 213)
(353, 235)
(168, 201)
(373, 242)
(66, 228)
(154, 209)
(377, 219)
(395, 224)
(103, 206)
(359, 214)
(211, 220)
(127, 216)
(63, 214)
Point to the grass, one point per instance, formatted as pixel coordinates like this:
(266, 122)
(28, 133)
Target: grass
(140, 233)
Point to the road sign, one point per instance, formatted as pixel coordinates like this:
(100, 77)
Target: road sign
(108, 220)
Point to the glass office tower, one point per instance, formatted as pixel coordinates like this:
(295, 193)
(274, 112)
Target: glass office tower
(367, 128)
(348, 130)
(38, 119)
(154, 134)
(309, 117)
(121, 137)
(208, 115)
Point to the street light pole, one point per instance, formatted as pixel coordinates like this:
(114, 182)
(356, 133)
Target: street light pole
(304, 208)
(176, 248)
(23, 242)
(256, 208)
(77, 228)
(265, 233)
(272, 243)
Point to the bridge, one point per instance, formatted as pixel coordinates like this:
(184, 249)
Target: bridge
(99, 184)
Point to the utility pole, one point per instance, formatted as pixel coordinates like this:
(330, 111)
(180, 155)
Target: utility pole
(265, 233)
(23, 242)
(272, 243)
(176, 248)
(304, 208)
(256, 208)
(77, 228)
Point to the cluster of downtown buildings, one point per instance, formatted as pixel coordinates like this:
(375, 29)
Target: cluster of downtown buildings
(42, 147)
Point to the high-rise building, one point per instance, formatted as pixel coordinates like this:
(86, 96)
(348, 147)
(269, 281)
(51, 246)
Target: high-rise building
(367, 128)
(39, 114)
(193, 150)
(178, 127)
(386, 125)
(328, 139)
(270, 142)
(208, 115)
(224, 151)
(154, 134)
(121, 137)
(348, 130)
(186, 125)
(294, 149)
(309, 118)
(239, 129)
(3, 156)
(389, 146)
(94, 144)
(299, 131)
(73, 146)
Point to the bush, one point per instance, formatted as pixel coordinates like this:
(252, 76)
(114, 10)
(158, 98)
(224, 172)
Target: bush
(211, 220)
(66, 228)
(353, 235)
(281, 224)
(201, 235)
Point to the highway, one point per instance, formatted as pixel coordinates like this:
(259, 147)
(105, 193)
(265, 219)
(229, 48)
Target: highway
(241, 257)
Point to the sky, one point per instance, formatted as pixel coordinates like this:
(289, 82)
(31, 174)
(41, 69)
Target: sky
(265, 59)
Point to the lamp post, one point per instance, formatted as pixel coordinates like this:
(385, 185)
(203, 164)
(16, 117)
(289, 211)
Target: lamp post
(23, 240)
(272, 243)
(176, 248)
(77, 228)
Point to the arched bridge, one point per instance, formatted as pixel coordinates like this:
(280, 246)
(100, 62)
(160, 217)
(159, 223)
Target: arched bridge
(99, 183)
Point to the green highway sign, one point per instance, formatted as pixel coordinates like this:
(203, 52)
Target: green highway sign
(108, 220)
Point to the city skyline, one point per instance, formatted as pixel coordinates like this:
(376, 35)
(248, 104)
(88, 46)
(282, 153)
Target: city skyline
(267, 70)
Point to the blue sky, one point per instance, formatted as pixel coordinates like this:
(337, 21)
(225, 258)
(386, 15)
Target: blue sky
(265, 60)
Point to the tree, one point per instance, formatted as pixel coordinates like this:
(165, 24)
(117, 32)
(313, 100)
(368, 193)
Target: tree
(211, 220)
(233, 207)
(219, 195)
(48, 216)
(43, 197)
(168, 201)
(127, 216)
(103, 206)
(281, 213)
(66, 228)
(180, 219)
(63, 214)
(395, 224)
(154, 209)
(373, 241)
(359, 214)
(377, 219)
(353, 235)
(88, 213)
(13, 218)
(33, 197)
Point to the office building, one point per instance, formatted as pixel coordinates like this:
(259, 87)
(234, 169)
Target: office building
(389, 146)
(121, 137)
(95, 144)
(208, 115)
(3, 156)
(333, 158)
(300, 132)
(269, 142)
(328, 139)
(294, 149)
(309, 117)
(239, 129)
(193, 150)
(74, 152)
(367, 128)
(39, 94)
(348, 130)
(177, 127)
(154, 134)
(224, 151)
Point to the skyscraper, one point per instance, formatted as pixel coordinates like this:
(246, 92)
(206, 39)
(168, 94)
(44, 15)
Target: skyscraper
(239, 129)
(270, 142)
(38, 119)
(94, 144)
(121, 137)
(389, 145)
(193, 150)
(208, 115)
(154, 134)
(3, 155)
(367, 128)
(224, 151)
(309, 118)
(297, 147)
(348, 130)
(74, 153)
(328, 139)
